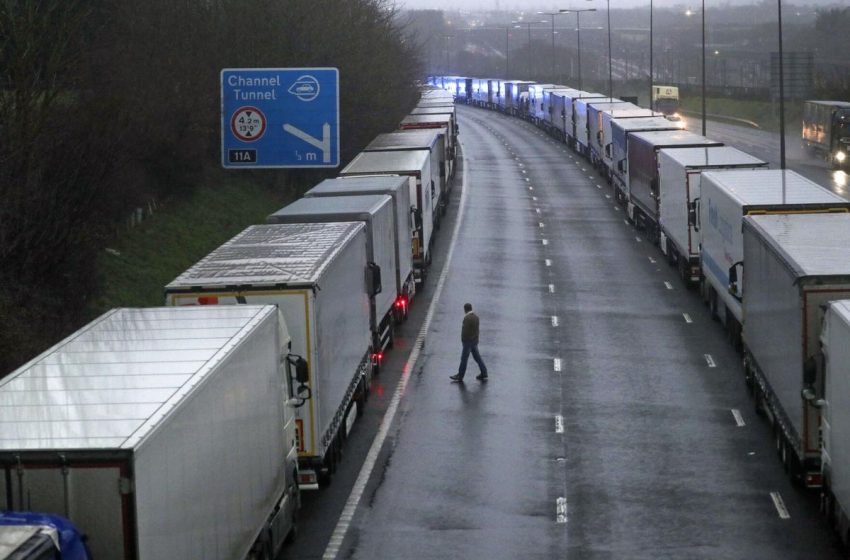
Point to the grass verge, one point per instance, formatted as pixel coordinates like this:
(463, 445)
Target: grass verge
(763, 113)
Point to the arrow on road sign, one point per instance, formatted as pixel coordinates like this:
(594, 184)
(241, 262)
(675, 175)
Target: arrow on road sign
(324, 144)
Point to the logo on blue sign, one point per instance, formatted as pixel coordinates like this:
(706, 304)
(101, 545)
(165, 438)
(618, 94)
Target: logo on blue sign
(280, 117)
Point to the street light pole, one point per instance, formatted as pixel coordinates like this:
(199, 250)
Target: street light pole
(578, 32)
(552, 16)
(527, 24)
(610, 73)
(781, 93)
(651, 80)
(703, 68)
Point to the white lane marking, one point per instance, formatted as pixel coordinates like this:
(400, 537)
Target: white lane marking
(590, 177)
(540, 224)
(625, 221)
(342, 526)
(638, 239)
(739, 420)
(530, 188)
(561, 510)
(545, 241)
(668, 285)
(555, 320)
(617, 208)
(551, 288)
(557, 364)
(608, 196)
(652, 260)
(779, 504)
(598, 186)
(583, 169)
(687, 318)
(527, 179)
(559, 424)
(709, 360)
(533, 198)
(537, 210)
(523, 171)
(548, 262)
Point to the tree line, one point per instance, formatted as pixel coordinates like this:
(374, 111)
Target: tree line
(108, 104)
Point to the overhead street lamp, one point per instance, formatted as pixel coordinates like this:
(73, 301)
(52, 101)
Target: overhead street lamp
(552, 15)
(527, 24)
(610, 74)
(781, 93)
(578, 31)
(690, 13)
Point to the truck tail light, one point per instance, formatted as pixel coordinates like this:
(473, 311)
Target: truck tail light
(208, 300)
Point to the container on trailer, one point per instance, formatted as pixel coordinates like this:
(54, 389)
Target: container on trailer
(494, 87)
(621, 129)
(40, 536)
(315, 274)
(431, 139)
(642, 172)
(601, 137)
(536, 109)
(725, 198)
(551, 116)
(513, 100)
(795, 264)
(665, 99)
(161, 433)
(376, 211)
(440, 120)
(679, 173)
(835, 414)
(583, 113)
(480, 91)
(464, 89)
(423, 193)
(397, 188)
(570, 116)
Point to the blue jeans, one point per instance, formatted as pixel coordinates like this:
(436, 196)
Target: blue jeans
(464, 357)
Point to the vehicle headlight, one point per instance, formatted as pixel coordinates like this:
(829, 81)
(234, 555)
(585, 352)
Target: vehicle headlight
(840, 157)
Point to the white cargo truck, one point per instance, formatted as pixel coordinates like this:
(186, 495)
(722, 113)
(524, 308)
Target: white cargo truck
(536, 108)
(795, 264)
(642, 173)
(423, 194)
(431, 139)
(514, 90)
(835, 415)
(315, 273)
(599, 133)
(581, 116)
(679, 173)
(161, 433)
(594, 140)
(725, 198)
(376, 211)
(617, 150)
(439, 121)
(397, 189)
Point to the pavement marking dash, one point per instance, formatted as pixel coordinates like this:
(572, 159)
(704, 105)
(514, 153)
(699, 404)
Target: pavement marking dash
(533, 198)
(638, 239)
(687, 318)
(559, 424)
(625, 221)
(608, 196)
(709, 360)
(779, 504)
(548, 262)
(545, 241)
(561, 510)
(540, 224)
(537, 210)
(668, 285)
(557, 364)
(555, 320)
(598, 186)
(739, 420)
(551, 288)
(652, 260)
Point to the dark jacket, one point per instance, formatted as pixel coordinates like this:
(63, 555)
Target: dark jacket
(469, 331)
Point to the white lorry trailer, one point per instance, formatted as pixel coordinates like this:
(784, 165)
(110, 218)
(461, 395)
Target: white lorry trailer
(581, 118)
(725, 198)
(599, 133)
(616, 153)
(315, 273)
(795, 264)
(376, 211)
(835, 416)
(595, 135)
(513, 96)
(431, 139)
(642, 173)
(161, 433)
(398, 190)
(679, 173)
(415, 164)
(438, 121)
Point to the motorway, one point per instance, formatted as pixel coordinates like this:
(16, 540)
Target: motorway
(616, 423)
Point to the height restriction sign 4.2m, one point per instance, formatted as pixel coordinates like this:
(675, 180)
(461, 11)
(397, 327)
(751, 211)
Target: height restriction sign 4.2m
(279, 117)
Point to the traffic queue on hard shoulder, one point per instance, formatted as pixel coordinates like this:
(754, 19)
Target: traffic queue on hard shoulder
(189, 430)
(718, 214)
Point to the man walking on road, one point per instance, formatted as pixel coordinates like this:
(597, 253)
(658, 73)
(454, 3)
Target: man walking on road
(469, 339)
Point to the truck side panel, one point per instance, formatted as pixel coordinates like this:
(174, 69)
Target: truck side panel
(836, 413)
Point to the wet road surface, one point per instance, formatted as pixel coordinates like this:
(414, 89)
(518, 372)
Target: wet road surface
(615, 424)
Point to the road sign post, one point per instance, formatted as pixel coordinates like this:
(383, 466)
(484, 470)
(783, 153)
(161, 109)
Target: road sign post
(279, 117)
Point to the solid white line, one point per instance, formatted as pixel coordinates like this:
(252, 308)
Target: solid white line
(356, 494)
(668, 285)
(551, 288)
(779, 504)
(687, 318)
(559, 424)
(557, 364)
(554, 320)
(709, 360)
(739, 420)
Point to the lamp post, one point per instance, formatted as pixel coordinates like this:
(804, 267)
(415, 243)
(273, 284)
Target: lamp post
(781, 93)
(447, 37)
(527, 24)
(651, 80)
(703, 68)
(610, 73)
(552, 15)
(578, 31)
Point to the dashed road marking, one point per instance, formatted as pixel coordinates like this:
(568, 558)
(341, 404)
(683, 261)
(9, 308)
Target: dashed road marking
(779, 504)
(598, 186)
(652, 260)
(608, 196)
(739, 420)
(687, 318)
(668, 285)
(557, 364)
(551, 288)
(559, 424)
(545, 241)
(638, 239)
(533, 198)
(548, 262)
(709, 360)
(561, 510)
(625, 221)
(537, 210)
(540, 224)
(555, 321)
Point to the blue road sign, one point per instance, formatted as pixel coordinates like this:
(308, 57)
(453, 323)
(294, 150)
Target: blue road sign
(279, 117)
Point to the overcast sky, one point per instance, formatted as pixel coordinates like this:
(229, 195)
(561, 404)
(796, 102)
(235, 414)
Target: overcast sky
(546, 5)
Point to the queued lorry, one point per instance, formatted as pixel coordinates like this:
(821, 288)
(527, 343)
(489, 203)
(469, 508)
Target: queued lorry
(513, 100)
(599, 131)
(725, 198)
(315, 274)
(833, 364)
(424, 195)
(665, 99)
(587, 109)
(795, 264)
(616, 153)
(641, 173)
(147, 427)
(377, 213)
(679, 173)
(397, 188)
(431, 139)
(437, 121)
(826, 131)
